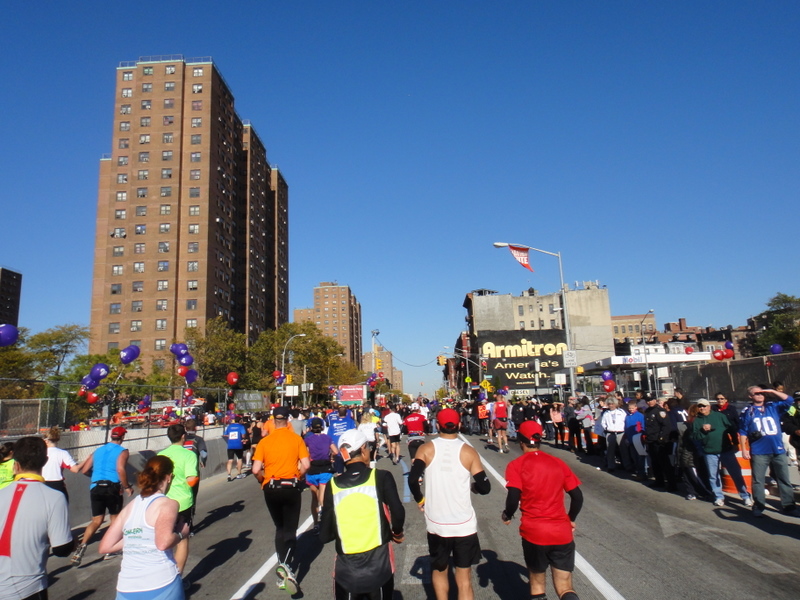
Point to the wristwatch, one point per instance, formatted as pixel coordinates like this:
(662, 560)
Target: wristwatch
(180, 535)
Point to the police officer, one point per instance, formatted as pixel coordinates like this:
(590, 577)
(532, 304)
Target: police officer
(657, 429)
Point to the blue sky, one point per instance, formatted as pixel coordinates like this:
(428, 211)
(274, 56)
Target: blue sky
(656, 145)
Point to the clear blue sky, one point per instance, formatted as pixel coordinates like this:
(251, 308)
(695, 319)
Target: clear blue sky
(655, 144)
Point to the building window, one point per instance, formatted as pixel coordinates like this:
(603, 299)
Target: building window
(144, 138)
(141, 211)
(163, 228)
(194, 210)
(166, 173)
(197, 88)
(194, 174)
(616, 329)
(197, 72)
(169, 120)
(127, 92)
(161, 324)
(165, 209)
(136, 306)
(521, 310)
(167, 138)
(147, 105)
(630, 328)
(169, 70)
(122, 196)
(161, 344)
(125, 109)
(194, 192)
(147, 88)
(163, 265)
(197, 105)
(169, 103)
(123, 143)
(161, 305)
(141, 192)
(122, 161)
(116, 288)
(163, 247)
(124, 125)
(191, 323)
(144, 122)
(649, 327)
(118, 251)
(166, 155)
(191, 304)
(166, 191)
(147, 70)
(127, 76)
(192, 266)
(116, 270)
(191, 285)
(636, 328)
(113, 328)
(194, 247)
(140, 229)
(138, 248)
(144, 157)
(197, 138)
(137, 286)
(119, 232)
(120, 213)
(552, 323)
(115, 308)
(197, 122)
(143, 174)
(136, 325)
(122, 178)
(194, 157)
(169, 86)
(194, 229)
(138, 267)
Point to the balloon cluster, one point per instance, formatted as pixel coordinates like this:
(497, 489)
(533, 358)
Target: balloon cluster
(373, 379)
(185, 360)
(503, 391)
(144, 404)
(279, 377)
(609, 384)
(331, 390)
(99, 372)
(8, 335)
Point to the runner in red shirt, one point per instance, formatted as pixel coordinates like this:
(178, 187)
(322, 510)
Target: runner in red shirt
(416, 426)
(500, 421)
(536, 483)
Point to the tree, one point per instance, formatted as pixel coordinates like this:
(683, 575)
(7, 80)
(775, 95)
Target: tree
(52, 348)
(780, 324)
(217, 351)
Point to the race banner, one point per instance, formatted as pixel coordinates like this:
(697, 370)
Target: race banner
(521, 254)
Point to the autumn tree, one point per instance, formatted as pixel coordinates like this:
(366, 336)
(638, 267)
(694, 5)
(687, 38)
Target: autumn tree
(779, 324)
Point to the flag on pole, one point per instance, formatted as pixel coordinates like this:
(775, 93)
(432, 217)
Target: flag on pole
(521, 254)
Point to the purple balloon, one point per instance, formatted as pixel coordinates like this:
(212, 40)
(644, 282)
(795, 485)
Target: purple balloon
(175, 349)
(129, 354)
(89, 383)
(191, 376)
(776, 348)
(99, 371)
(729, 345)
(607, 375)
(183, 349)
(8, 335)
(186, 360)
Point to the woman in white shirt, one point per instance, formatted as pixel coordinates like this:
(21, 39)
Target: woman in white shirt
(368, 427)
(57, 461)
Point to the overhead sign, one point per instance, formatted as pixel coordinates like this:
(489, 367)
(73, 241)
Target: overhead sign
(511, 356)
(352, 394)
(570, 358)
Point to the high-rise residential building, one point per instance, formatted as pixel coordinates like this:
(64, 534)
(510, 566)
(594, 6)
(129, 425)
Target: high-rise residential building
(10, 293)
(337, 314)
(192, 222)
(381, 362)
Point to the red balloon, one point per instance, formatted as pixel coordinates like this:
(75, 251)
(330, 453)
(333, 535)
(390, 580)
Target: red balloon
(728, 353)
(609, 385)
(91, 397)
(233, 378)
(182, 371)
(188, 392)
(276, 374)
(505, 387)
(689, 350)
(82, 391)
(718, 354)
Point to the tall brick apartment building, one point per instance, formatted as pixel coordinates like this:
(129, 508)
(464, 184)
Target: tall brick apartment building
(192, 222)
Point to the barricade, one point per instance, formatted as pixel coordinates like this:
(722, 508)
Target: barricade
(747, 474)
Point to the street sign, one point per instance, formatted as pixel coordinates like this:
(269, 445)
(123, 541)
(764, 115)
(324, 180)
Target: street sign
(490, 389)
(570, 358)
(485, 384)
(560, 378)
(468, 379)
(488, 376)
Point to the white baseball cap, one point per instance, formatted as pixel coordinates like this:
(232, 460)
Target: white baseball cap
(352, 440)
(414, 406)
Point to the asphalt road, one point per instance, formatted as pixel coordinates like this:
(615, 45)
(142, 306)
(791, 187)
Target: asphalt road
(633, 542)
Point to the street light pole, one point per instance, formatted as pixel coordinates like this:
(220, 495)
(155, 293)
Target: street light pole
(283, 360)
(567, 329)
(644, 349)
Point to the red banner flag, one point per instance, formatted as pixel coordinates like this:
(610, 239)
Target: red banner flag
(521, 254)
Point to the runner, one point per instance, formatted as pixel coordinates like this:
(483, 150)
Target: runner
(416, 426)
(536, 483)
(452, 526)
(320, 450)
(235, 435)
(499, 418)
(393, 423)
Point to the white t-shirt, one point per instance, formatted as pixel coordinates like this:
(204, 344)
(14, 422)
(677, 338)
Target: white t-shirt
(394, 423)
(57, 459)
(368, 429)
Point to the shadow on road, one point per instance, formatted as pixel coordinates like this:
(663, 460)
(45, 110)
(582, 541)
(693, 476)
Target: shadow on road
(220, 553)
(308, 549)
(217, 514)
(508, 579)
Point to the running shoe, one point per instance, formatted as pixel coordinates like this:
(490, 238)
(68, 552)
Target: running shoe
(230, 478)
(719, 502)
(286, 580)
(691, 497)
(758, 512)
(748, 501)
(77, 556)
(241, 476)
(111, 555)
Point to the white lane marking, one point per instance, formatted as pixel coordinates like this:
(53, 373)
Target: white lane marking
(416, 566)
(598, 581)
(270, 564)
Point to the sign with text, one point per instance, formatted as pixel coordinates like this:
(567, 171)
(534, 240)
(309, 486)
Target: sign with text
(352, 394)
(510, 355)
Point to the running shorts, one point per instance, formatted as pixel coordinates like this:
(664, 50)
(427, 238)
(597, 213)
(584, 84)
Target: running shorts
(318, 479)
(235, 453)
(538, 558)
(466, 551)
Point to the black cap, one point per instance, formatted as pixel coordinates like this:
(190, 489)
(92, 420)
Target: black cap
(280, 412)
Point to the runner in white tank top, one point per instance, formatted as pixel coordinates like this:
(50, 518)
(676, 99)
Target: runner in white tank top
(448, 506)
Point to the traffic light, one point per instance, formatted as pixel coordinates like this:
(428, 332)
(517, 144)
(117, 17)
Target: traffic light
(441, 361)
(378, 363)
(289, 380)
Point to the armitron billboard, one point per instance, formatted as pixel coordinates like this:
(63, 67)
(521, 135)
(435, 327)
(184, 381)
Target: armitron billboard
(510, 355)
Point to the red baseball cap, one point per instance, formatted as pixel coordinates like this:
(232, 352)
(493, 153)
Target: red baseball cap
(447, 418)
(529, 430)
(118, 432)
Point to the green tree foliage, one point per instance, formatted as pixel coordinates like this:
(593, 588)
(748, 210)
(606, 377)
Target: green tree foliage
(217, 351)
(17, 369)
(52, 348)
(780, 324)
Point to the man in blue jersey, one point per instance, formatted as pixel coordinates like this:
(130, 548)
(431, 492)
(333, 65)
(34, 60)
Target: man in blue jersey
(762, 443)
(109, 481)
(235, 435)
(338, 423)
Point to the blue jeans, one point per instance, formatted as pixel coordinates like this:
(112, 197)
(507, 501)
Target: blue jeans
(759, 463)
(727, 460)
